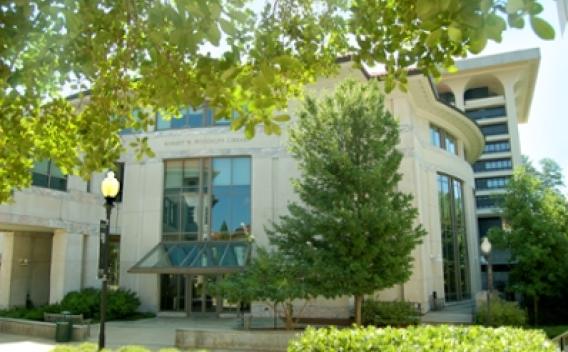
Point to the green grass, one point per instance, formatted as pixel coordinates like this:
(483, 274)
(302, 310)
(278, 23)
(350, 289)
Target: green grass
(553, 330)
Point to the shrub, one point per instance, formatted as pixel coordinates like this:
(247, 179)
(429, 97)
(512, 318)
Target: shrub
(121, 304)
(389, 313)
(30, 313)
(424, 338)
(502, 313)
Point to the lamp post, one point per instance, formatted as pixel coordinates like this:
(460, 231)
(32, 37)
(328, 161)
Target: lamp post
(486, 250)
(109, 188)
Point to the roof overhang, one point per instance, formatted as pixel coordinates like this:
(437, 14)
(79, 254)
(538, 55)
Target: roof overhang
(194, 257)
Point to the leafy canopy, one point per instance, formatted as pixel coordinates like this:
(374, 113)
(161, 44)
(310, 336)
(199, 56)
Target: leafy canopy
(353, 228)
(165, 55)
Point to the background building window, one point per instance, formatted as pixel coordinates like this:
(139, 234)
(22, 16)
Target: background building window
(497, 147)
(492, 182)
(46, 174)
(491, 130)
(493, 165)
(487, 113)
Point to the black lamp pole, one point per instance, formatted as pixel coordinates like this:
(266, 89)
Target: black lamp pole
(109, 188)
(103, 270)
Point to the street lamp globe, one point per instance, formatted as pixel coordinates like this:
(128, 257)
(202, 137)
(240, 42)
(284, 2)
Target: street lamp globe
(110, 186)
(485, 246)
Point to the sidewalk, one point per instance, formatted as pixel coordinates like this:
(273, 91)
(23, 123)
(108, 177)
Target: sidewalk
(154, 334)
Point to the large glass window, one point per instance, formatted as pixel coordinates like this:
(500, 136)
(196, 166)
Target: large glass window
(207, 198)
(46, 174)
(454, 238)
(443, 139)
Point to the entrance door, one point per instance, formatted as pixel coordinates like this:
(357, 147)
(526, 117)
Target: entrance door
(203, 300)
(172, 292)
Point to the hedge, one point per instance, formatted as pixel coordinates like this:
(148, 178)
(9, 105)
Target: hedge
(424, 338)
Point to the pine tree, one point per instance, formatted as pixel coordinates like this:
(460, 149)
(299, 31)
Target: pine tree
(353, 227)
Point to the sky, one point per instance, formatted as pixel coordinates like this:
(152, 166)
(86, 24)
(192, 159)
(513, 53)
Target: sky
(546, 133)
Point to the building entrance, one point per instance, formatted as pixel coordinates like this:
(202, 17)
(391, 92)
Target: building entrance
(192, 294)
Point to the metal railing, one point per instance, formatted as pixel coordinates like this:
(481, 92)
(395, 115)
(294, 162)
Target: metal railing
(561, 341)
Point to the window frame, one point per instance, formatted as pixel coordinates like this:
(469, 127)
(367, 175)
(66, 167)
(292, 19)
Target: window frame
(50, 165)
(444, 136)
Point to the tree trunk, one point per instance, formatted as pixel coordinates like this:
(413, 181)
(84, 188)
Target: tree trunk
(535, 309)
(358, 306)
(289, 315)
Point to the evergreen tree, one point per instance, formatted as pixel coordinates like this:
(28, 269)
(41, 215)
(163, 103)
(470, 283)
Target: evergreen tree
(353, 227)
(536, 234)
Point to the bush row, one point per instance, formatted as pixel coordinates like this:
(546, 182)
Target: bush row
(424, 338)
(121, 304)
(501, 313)
(389, 313)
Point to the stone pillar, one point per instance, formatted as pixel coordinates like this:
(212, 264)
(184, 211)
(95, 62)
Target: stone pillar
(66, 264)
(6, 268)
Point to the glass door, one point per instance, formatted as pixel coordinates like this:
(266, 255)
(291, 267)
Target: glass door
(201, 298)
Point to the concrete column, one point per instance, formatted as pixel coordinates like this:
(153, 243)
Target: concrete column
(458, 88)
(66, 264)
(6, 267)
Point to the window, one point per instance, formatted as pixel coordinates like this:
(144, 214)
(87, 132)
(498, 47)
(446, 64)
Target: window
(491, 130)
(454, 238)
(443, 139)
(478, 93)
(192, 118)
(489, 201)
(492, 165)
(486, 224)
(492, 182)
(487, 113)
(207, 199)
(46, 174)
(448, 98)
(497, 147)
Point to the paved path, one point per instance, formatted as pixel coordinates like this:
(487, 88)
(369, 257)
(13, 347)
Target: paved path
(154, 334)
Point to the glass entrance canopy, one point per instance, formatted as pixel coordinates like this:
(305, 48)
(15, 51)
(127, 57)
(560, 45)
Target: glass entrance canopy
(195, 257)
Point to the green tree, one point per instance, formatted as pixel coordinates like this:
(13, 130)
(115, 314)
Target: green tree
(165, 55)
(273, 278)
(536, 233)
(353, 227)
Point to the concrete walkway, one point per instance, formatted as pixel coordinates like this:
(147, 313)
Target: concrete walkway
(154, 334)
(456, 313)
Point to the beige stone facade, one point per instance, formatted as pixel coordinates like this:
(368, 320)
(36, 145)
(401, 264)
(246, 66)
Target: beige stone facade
(49, 241)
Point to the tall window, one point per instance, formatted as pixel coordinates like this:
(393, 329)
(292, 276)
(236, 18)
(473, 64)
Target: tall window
(443, 139)
(454, 238)
(46, 174)
(207, 199)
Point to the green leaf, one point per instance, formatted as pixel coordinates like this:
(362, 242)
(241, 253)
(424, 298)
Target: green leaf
(477, 44)
(455, 34)
(250, 131)
(282, 118)
(228, 27)
(214, 35)
(515, 5)
(426, 8)
(542, 28)
(516, 21)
